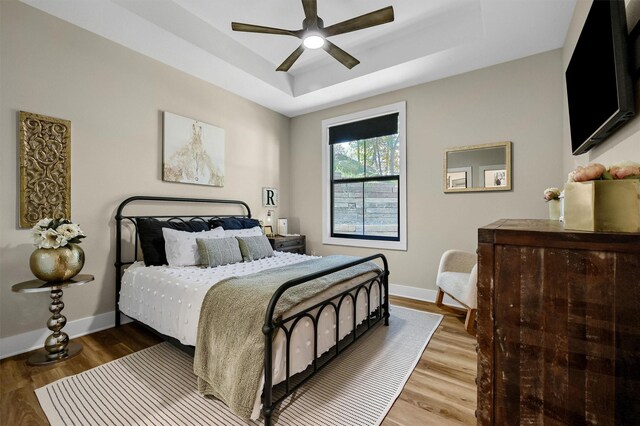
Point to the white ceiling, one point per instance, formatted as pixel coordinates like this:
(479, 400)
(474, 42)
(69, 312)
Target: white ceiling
(429, 40)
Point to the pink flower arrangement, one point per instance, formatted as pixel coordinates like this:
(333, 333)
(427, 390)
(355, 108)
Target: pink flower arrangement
(593, 171)
(625, 170)
(596, 171)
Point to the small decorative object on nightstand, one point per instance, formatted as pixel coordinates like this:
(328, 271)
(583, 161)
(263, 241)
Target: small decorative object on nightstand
(289, 243)
(268, 224)
(56, 346)
(283, 226)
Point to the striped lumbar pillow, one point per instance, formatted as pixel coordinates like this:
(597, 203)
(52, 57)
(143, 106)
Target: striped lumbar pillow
(254, 248)
(218, 251)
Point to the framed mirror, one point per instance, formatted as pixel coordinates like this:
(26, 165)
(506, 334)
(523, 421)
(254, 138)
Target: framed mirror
(476, 168)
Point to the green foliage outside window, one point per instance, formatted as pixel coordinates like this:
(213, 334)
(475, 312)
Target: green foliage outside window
(378, 156)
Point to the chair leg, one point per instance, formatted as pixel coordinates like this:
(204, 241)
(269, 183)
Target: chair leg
(470, 321)
(452, 309)
(439, 297)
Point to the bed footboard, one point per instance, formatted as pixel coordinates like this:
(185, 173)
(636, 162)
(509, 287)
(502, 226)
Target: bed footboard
(381, 313)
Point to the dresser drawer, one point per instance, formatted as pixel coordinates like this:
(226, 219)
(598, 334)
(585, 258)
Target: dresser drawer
(294, 244)
(298, 249)
(288, 243)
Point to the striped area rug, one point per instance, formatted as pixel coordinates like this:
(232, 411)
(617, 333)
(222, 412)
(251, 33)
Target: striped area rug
(156, 386)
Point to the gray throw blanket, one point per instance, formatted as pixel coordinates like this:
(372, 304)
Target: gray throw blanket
(229, 356)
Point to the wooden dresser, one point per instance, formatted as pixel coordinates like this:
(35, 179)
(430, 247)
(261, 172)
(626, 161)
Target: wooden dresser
(558, 325)
(292, 243)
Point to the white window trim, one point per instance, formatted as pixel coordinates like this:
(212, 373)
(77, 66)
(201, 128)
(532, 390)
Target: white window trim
(401, 109)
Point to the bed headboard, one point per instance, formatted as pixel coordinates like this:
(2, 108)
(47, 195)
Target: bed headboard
(125, 220)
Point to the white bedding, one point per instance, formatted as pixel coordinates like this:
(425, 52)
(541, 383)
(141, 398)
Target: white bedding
(169, 300)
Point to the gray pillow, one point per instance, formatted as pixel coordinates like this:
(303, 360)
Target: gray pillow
(254, 248)
(218, 251)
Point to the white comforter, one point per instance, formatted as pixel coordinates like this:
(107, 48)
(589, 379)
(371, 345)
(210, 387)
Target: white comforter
(169, 300)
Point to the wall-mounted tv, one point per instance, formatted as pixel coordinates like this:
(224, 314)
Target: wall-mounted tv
(599, 82)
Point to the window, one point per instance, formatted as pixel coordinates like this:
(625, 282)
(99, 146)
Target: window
(364, 197)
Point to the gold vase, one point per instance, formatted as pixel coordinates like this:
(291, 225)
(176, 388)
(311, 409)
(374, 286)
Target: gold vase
(58, 264)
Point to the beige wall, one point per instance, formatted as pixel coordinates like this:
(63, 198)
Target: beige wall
(625, 143)
(114, 98)
(520, 101)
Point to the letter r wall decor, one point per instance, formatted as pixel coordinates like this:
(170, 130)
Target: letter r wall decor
(269, 197)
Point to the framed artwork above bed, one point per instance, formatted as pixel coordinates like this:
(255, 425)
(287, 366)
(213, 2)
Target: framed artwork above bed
(193, 151)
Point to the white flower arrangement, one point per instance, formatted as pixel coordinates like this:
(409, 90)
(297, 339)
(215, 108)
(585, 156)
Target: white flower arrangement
(551, 194)
(55, 233)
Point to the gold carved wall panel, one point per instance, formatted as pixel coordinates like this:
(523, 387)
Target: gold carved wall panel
(45, 168)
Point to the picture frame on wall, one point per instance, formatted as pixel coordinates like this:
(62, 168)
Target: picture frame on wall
(494, 176)
(193, 151)
(459, 178)
(486, 167)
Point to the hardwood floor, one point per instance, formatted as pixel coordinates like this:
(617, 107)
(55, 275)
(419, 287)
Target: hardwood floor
(441, 390)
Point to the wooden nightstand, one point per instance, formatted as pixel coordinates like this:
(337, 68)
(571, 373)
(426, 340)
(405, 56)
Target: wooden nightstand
(291, 244)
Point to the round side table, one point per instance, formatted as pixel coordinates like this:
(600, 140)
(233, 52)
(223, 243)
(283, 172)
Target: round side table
(57, 346)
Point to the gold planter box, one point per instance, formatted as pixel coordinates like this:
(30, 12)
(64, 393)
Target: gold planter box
(603, 205)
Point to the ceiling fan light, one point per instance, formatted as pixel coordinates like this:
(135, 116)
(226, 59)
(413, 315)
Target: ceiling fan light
(313, 41)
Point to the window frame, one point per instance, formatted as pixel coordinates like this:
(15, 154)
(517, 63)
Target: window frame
(390, 243)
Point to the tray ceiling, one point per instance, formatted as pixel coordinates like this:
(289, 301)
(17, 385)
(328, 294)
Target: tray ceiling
(427, 41)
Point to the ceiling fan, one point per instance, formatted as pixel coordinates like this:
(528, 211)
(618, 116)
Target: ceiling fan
(314, 34)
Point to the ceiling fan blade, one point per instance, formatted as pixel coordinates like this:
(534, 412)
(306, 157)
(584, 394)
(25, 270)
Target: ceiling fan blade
(343, 57)
(291, 59)
(372, 19)
(310, 9)
(250, 28)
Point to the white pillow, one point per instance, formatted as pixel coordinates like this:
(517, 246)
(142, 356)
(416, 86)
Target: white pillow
(181, 246)
(251, 232)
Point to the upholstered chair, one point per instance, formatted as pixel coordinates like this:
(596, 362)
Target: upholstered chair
(457, 277)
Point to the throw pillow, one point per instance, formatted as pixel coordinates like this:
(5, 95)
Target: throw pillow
(218, 251)
(254, 248)
(234, 222)
(251, 232)
(181, 247)
(152, 240)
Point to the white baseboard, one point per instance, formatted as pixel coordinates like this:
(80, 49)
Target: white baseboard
(25, 342)
(424, 294)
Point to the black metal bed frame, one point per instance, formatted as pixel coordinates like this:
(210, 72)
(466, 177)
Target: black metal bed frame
(273, 395)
